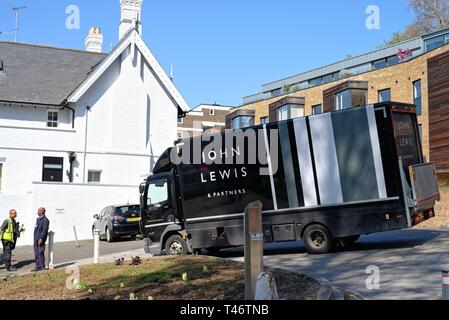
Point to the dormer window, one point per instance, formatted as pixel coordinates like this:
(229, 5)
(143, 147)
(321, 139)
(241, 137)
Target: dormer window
(290, 111)
(52, 118)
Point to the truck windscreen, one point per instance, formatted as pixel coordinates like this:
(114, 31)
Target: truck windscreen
(406, 137)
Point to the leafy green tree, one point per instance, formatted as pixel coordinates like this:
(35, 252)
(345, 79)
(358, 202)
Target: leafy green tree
(431, 15)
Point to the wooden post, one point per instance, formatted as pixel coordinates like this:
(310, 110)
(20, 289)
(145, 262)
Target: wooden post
(253, 247)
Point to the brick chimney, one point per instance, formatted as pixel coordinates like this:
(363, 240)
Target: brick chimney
(94, 40)
(131, 12)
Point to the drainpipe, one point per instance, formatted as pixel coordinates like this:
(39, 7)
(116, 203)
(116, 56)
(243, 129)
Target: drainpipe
(85, 144)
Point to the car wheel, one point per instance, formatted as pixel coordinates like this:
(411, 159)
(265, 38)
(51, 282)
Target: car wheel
(176, 246)
(318, 239)
(109, 236)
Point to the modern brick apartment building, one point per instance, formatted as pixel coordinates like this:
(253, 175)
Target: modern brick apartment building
(205, 117)
(415, 71)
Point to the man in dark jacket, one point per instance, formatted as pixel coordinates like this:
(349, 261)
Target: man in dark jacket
(9, 234)
(40, 236)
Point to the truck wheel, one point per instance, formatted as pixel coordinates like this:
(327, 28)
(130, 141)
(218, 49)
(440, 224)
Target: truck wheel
(348, 241)
(318, 239)
(176, 246)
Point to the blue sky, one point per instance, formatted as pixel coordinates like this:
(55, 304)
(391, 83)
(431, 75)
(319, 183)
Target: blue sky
(221, 50)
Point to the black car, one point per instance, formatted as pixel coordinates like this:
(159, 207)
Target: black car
(118, 221)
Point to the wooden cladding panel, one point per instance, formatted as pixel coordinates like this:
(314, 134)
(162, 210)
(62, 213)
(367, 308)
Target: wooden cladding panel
(438, 75)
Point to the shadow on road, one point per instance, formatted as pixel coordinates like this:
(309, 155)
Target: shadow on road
(379, 241)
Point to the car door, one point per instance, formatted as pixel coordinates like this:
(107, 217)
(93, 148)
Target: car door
(103, 220)
(97, 222)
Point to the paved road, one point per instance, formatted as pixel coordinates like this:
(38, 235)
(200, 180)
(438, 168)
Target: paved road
(410, 263)
(67, 252)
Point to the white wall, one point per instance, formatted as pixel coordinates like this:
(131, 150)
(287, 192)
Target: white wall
(71, 205)
(132, 120)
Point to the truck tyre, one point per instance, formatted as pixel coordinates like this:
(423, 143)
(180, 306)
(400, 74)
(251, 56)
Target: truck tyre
(109, 236)
(348, 241)
(176, 246)
(318, 239)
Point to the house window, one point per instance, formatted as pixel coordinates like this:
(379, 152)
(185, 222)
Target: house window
(384, 95)
(316, 109)
(180, 120)
(264, 120)
(380, 64)
(316, 82)
(52, 169)
(242, 122)
(350, 98)
(1, 175)
(435, 43)
(94, 176)
(52, 118)
(211, 112)
(290, 111)
(417, 96)
(391, 61)
(328, 78)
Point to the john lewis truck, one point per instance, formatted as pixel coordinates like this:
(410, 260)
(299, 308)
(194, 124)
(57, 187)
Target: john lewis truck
(325, 179)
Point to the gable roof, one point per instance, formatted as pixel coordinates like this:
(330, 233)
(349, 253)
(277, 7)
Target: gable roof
(41, 74)
(134, 40)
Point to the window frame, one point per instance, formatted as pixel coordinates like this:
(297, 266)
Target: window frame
(317, 106)
(350, 92)
(94, 171)
(52, 121)
(289, 111)
(264, 120)
(415, 96)
(181, 120)
(55, 161)
(379, 92)
(239, 119)
(435, 40)
(212, 112)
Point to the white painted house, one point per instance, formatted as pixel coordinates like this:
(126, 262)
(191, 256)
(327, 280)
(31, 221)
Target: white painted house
(80, 130)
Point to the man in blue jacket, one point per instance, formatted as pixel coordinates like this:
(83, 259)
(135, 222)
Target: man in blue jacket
(40, 236)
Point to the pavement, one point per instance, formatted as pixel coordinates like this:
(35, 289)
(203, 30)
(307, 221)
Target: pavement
(409, 262)
(67, 253)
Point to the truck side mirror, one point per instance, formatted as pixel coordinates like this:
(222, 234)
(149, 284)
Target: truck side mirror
(96, 216)
(142, 187)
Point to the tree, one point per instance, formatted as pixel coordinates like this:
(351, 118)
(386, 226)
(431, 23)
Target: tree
(431, 15)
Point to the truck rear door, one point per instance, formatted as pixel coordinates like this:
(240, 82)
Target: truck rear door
(422, 185)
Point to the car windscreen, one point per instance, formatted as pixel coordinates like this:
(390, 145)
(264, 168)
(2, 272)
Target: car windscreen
(127, 211)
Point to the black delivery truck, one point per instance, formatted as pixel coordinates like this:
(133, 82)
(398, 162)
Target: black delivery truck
(325, 179)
